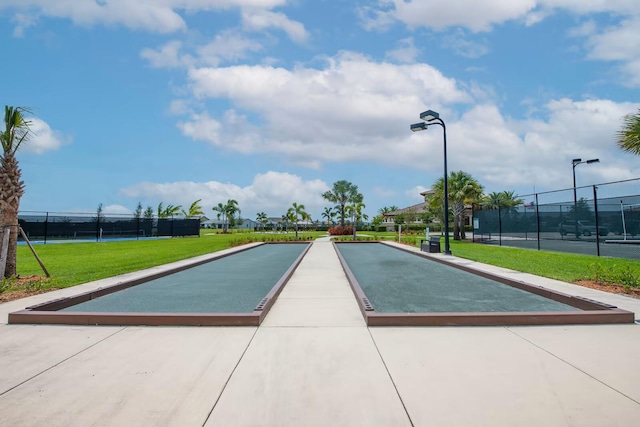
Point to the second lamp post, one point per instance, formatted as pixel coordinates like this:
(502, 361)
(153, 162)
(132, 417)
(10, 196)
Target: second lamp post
(431, 118)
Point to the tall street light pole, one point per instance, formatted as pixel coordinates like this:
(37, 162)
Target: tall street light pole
(433, 118)
(574, 163)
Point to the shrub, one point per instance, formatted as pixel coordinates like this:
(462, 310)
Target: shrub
(341, 231)
(614, 274)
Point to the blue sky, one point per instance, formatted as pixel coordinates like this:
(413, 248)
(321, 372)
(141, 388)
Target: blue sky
(271, 101)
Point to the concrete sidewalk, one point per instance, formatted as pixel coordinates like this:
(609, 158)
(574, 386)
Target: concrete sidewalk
(313, 362)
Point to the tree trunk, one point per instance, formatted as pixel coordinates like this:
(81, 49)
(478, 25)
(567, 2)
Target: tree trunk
(458, 211)
(11, 190)
(10, 217)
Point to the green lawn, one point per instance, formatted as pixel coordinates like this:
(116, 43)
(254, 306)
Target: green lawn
(555, 265)
(74, 263)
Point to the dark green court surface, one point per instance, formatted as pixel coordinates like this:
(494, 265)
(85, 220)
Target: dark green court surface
(398, 286)
(231, 288)
(395, 281)
(233, 284)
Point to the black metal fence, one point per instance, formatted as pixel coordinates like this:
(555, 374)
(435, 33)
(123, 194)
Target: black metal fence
(595, 220)
(52, 226)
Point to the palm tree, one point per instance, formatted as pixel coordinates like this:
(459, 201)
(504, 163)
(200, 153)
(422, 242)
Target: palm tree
(463, 190)
(220, 208)
(227, 211)
(629, 135)
(15, 133)
(342, 193)
(195, 210)
(329, 214)
(387, 209)
(261, 218)
(501, 200)
(297, 213)
(355, 211)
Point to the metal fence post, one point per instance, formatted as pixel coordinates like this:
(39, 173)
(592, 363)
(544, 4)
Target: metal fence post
(499, 227)
(46, 227)
(595, 208)
(538, 220)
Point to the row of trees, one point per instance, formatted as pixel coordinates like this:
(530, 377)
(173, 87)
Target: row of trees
(349, 203)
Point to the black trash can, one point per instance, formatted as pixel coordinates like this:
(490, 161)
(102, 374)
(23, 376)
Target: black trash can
(434, 245)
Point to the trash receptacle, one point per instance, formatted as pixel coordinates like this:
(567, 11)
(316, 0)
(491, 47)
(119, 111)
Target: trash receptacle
(434, 245)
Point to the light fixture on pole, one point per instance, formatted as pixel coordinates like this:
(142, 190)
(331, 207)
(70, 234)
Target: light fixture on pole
(574, 163)
(433, 118)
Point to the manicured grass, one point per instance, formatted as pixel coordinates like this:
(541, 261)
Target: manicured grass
(73, 263)
(555, 265)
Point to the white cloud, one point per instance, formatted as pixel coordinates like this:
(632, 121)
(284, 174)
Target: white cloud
(43, 138)
(154, 16)
(271, 192)
(583, 7)
(227, 46)
(168, 56)
(23, 21)
(137, 15)
(619, 43)
(506, 154)
(406, 52)
(358, 110)
(461, 45)
(483, 15)
(350, 110)
(414, 193)
(472, 14)
(260, 19)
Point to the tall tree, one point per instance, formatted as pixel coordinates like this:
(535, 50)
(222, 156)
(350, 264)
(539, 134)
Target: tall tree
(137, 214)
(355, 211)
(296, 213)
(629, 136)
(221, 213)
(387, 209)
(168, 211)
(148, 213)
(227, 210)
(16, 132)
(463, 189)
(342, 193)
(501, 200)
(329, 214)
(194, 211)
(261, 218)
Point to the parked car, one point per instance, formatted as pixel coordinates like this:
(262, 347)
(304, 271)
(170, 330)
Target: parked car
(584, 228)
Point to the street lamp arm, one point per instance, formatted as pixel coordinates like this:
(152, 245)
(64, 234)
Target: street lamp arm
(431, 118)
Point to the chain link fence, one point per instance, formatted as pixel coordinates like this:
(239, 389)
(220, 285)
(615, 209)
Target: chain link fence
(55, 226)
(602, 220)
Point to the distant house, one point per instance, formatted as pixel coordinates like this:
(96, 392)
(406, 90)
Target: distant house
(248, 224)
(414, 213)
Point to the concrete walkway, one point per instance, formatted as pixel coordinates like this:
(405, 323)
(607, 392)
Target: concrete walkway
(313, 362)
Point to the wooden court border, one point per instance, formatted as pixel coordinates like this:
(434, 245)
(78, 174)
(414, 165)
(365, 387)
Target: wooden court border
(592, 312)
(48, 312)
